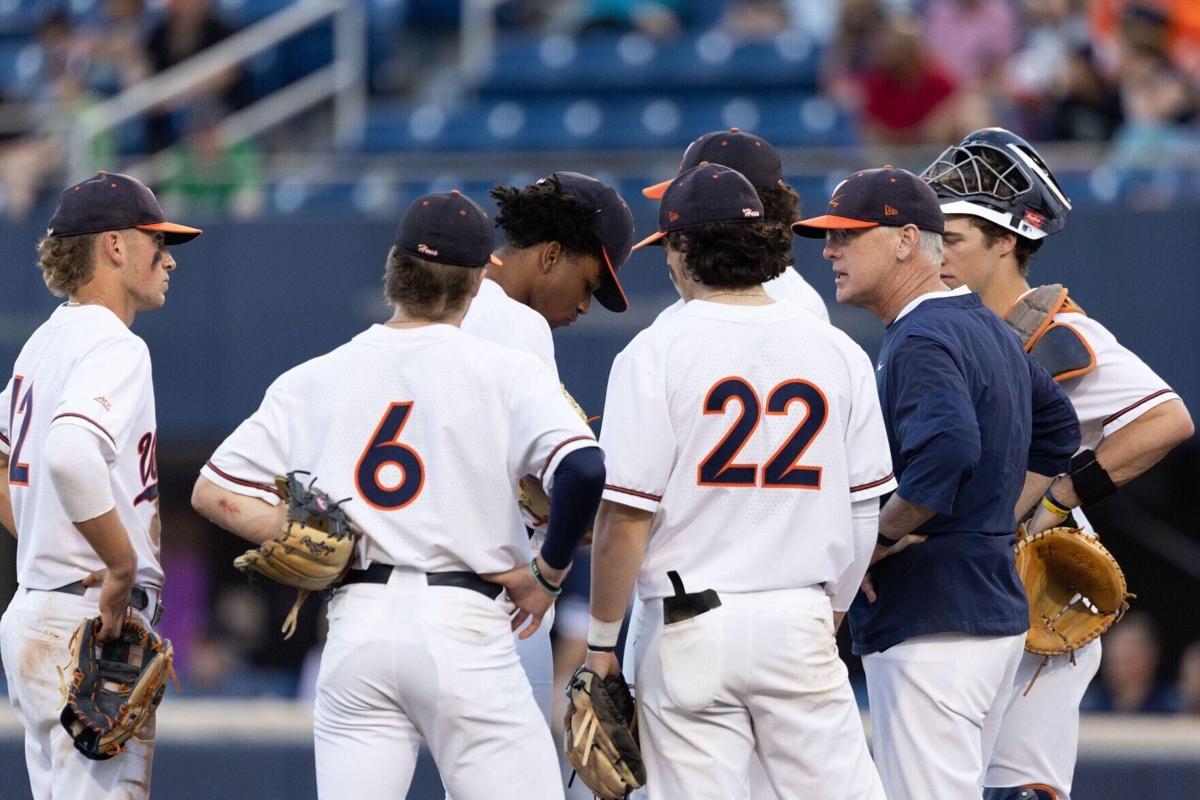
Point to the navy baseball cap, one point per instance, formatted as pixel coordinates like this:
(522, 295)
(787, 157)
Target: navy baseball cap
(751, 155)
(615, 226)
(873, 197)
(109, 201)
(702, 195)
(448, 228)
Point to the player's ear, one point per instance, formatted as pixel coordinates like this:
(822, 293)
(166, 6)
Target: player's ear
(112, 245)
(551, 254)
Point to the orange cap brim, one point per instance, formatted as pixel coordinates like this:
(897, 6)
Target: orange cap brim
(176, 233)
(653, 238)
(813, 227)
(495, 261)
(656, 191)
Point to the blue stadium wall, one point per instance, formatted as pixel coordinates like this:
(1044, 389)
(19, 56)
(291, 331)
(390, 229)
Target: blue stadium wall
(250, 300)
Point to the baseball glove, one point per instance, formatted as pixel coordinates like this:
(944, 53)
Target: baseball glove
(313, 550)
(601, 737)
(1075, 587)
(531, 496)
(114, 687)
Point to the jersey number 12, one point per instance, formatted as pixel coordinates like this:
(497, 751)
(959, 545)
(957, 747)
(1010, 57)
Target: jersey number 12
(782, 469)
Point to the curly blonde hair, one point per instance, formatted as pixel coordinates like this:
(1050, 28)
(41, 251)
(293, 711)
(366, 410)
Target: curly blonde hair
(67, 262)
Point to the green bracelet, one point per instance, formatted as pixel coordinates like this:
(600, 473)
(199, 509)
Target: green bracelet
(548, 587)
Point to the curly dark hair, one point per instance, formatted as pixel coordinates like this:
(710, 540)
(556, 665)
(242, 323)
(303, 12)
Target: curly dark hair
(732, 255)
(781, 204)
(543, 212)
(425, 289)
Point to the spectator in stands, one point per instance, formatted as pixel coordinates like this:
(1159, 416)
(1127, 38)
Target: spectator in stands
(849, 54)
(1157, 105)
(971, 38)
(118, 47)
(188, 27)
(1088, 107)
(1129, 682)
(755, 19)
(659, 19)
(1189, 679)
(208, 176)
(907, 96)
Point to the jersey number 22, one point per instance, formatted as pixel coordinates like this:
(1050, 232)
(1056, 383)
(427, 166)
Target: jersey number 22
(782, 469)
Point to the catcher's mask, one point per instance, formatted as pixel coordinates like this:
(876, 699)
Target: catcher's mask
(997, 175)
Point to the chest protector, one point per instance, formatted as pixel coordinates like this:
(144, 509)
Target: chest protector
(1058, 347)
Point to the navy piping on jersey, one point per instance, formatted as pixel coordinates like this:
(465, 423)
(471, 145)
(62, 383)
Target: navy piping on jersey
(560, 446)
(4, 438)
(864, 486)
(1132, 406)
(634, 492)
(242, 481)
(88, 419)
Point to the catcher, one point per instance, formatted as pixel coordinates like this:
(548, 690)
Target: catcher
(1001, 203)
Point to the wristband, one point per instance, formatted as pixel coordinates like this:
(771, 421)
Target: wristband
(602, 636)
(1091, 481)
(885, 541)
(1053, 506)
(548, 587)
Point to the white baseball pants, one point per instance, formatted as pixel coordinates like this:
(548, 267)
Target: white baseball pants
(936, 705)
(35, 635)
(1039, 736)
(760, 674)
(407, 661)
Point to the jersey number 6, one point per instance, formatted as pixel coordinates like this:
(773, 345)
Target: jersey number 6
(781, 469)
(385, 449)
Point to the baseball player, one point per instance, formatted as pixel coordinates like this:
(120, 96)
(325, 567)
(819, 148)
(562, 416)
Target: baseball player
(1001, 202)
(565, 237)
(744, 473)
(975, 428)
(426, 429)
(79, 438)
(759, 163)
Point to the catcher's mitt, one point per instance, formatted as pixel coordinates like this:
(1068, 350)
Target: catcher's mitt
(313, 550)
(1075, 587)
(601, 737)
(114, 687)
(535, 505)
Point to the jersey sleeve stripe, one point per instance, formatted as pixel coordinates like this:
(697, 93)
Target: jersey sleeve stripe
(97, 425)
(634, 492)
(1132, 406)
(862, 487)
(242, 481)
(560, 446)
(4, 439)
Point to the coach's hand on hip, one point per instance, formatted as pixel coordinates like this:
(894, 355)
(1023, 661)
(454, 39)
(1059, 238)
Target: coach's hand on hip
(531, 597)
(883, 551)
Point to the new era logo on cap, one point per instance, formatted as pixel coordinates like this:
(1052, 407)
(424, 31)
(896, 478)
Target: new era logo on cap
(874, 197)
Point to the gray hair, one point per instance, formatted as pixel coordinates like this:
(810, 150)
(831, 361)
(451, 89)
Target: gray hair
(929, 244)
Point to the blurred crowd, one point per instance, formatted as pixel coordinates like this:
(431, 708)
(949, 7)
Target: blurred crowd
(1121, 72)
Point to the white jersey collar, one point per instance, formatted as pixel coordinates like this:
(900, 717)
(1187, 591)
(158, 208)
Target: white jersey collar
(382, 334)
(736, 313)
(916, 301)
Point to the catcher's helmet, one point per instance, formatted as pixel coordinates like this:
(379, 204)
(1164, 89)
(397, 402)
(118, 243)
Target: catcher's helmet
(997, 175)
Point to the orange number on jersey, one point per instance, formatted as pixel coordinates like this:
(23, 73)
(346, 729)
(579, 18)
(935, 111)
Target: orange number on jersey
(782, 470)
(384, 449)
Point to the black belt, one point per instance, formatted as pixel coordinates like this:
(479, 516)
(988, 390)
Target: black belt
(138, 598)
(379, 573)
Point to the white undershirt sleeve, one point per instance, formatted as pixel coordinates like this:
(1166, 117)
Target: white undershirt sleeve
(75, 459)
(864, 519)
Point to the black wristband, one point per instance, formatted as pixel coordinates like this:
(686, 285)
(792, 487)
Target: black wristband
(1090, 479)
(596, 649)
(885, 541)
(548, 587)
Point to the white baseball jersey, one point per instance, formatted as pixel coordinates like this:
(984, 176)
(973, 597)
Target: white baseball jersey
(748, 430)
(495, 316)
(426, 429)
(81, 367)
(1119, 390)
(788, 286)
